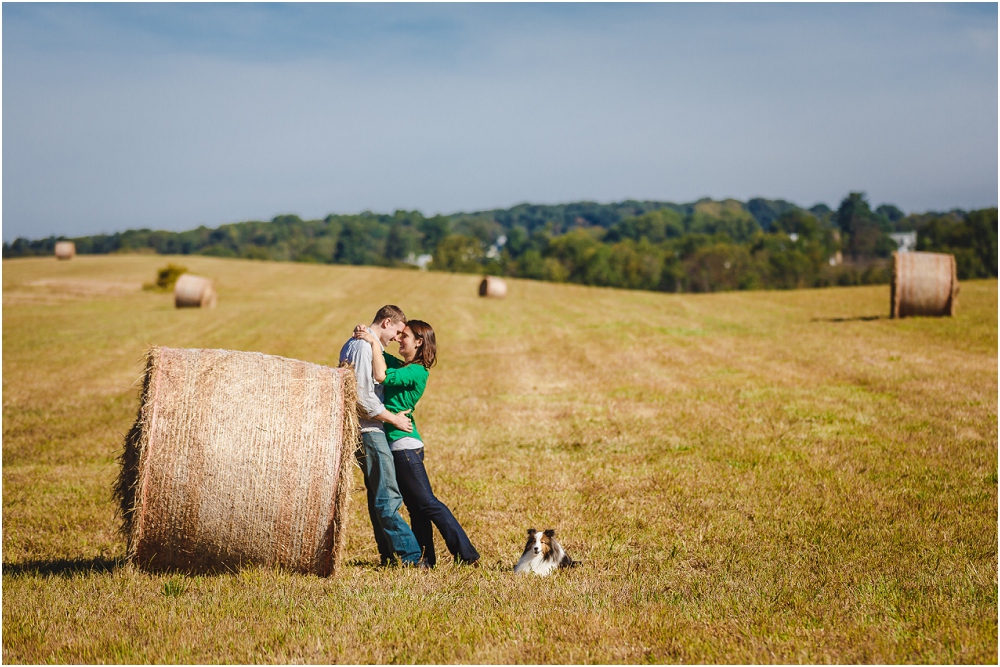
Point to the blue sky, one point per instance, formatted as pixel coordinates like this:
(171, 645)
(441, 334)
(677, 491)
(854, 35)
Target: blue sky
(169, 116)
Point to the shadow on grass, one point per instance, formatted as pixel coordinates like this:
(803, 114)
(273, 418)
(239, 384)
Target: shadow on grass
(72, 567)
(860, 318)
(62, 567)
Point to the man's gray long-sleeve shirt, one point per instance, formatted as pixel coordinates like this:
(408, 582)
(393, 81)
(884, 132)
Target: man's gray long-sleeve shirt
(359, 353)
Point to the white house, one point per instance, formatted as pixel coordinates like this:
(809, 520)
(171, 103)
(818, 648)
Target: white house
(905, 241)
(494, 250)
(420, 261)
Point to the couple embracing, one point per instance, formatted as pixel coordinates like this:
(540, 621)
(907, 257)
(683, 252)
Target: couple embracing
(392, 456)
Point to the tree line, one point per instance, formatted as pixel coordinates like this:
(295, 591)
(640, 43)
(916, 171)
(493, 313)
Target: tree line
(701, 246)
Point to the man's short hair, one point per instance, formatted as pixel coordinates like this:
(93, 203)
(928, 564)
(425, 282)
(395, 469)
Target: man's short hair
(392, 313)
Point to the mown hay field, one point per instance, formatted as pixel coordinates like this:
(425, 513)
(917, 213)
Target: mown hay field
(747, 476)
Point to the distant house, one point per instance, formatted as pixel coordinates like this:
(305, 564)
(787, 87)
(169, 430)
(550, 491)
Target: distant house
(905, 241)
(494, 250)
(419, 261)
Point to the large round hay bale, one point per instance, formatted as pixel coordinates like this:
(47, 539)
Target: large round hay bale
(194, 292)
(923, 283)
(65, 250)
(492, 286)
(238, 458)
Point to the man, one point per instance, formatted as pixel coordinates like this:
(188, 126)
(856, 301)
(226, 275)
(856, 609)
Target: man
(394, 538)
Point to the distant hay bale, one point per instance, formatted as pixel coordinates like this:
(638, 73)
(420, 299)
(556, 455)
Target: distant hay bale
(923, 283)
(65, 250)
(238, 458)
(492, 286)
(194, 292)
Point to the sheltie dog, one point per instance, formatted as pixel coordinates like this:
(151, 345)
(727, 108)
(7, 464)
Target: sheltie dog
(543, 554)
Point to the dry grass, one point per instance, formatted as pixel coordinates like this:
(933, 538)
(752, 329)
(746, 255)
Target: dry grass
(748, 477)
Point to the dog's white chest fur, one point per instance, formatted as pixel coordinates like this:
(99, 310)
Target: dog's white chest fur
(539, 564)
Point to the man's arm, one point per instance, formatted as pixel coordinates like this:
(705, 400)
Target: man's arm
(359, 353)
(400, 421)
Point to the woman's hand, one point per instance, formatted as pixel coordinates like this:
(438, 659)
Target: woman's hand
(361, 332)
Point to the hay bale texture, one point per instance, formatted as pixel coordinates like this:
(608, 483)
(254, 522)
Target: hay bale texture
(923, 283)
(494, 287)
(238, 458)
(194, 292)
(65, 250)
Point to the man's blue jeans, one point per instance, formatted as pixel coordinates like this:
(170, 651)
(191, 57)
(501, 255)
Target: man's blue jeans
(393, 536)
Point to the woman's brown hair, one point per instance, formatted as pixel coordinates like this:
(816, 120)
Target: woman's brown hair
(427, 353)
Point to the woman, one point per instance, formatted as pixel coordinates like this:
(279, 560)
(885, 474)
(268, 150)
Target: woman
(404, 382)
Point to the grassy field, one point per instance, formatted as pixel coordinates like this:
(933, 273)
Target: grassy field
(747, 477)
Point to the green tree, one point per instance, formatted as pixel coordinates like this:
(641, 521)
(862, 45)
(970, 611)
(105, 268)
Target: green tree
(727, 217)
(530, 264)
(432, 232)
(359, 242)
(459, 254)
(575, 251)
(395, 244)
(786, 264)
(983, 232)
(864, 232)
(655, 227)
(971, 238)
(517, 241)
(890, 212)
(766, 211)
(800, 223)
(721, 266)
(636, 265)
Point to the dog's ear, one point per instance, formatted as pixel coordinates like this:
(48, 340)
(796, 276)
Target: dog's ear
(531, 531)
(551, 532)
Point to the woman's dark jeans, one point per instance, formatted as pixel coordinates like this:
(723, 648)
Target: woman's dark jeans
(425, 509)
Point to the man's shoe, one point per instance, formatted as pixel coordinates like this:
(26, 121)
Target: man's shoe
(420, 564)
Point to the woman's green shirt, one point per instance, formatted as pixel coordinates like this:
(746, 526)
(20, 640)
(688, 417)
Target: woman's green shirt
(404, 385)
